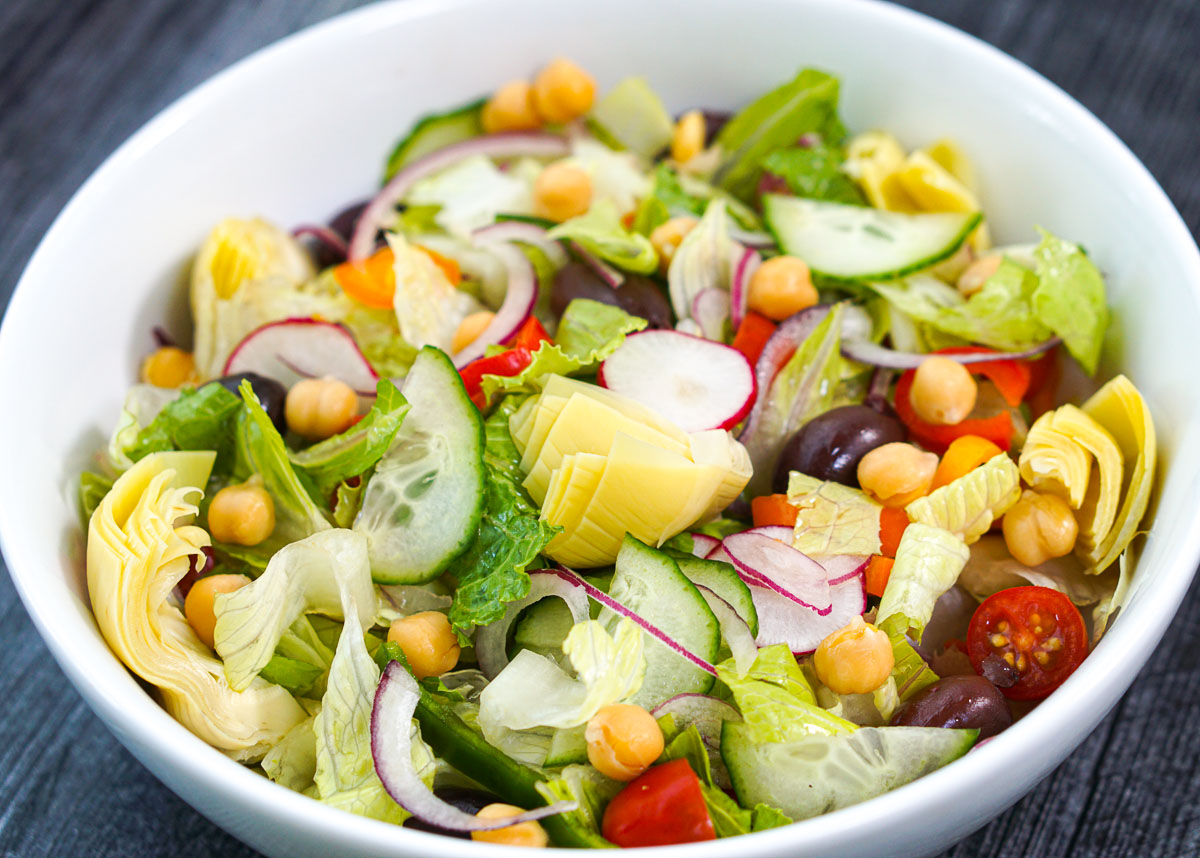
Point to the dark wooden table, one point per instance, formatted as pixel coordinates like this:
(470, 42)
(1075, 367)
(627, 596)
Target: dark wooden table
(79, 76)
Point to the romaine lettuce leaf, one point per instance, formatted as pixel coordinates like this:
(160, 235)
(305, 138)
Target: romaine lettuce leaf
(1069, 298)
(632, 116)
(1104, 611)
(807, 103)
(968, 505)
(815, 172)
(775, 700)
(910, 672)
(328, 463)
(143, 403)
(347, 499)
(320, 574)
(928, 562)
(599, 231)
(688, 744)
(201, 419)
(833, 519)
(999, 315)
(533, 691)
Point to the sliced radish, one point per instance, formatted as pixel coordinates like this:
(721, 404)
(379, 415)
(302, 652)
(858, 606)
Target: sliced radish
(530, 233)
(694, 382)
(703, 545)
(778, 532)
(391, 751)
(519, 300)
(293, 349)
(761, 557)
(865, 351)
(719, 554)
(379, 210)
(757, 579)
(780, 620)
(710, 309)
(739, 288)
(491, 641)
(840, 567)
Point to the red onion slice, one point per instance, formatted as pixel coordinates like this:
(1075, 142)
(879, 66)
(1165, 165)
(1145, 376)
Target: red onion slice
(518, 304)
(530, 233)
(513, 145)
(803, 578)
(491, 641)
(781, 620)
(391, 748)
(710, 309)
(328, 237)
(865, 351)
(617, 608)
(292, 349)
(739, 289)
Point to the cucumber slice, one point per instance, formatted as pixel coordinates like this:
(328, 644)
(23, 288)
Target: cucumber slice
(858, 243)
(422, 507)
(435, 131)
(567, 748)
(542, 627)
(632, 116)
(823, 773)
(649, 583)
(723, 580)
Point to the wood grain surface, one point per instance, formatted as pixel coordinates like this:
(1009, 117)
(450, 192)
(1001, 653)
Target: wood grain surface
(79, 76)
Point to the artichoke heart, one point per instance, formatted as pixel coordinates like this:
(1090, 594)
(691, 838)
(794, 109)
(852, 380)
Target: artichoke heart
(139, 547)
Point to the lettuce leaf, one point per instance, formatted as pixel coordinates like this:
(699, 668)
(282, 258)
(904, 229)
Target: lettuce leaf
(348, 497)
(805, 104)
(968, 505)
(350, 454)
(92, 489)
(533, 691)
(667, 199)
(428, 307)
(928, 562)
(143, 403)
(471, 193)
(815, 172)
(600, 231)
(293, 761)
(775, 700)
(586, 786)
(910, 672)
(992, 568)
(833, 519)
(1069, 298)
(999, 315)
(201, 419)
(320, 574)
(588, 332)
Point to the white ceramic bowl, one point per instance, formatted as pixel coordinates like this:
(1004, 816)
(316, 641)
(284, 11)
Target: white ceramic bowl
(299, 129)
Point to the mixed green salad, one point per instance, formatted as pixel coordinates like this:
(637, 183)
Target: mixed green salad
(614, 478)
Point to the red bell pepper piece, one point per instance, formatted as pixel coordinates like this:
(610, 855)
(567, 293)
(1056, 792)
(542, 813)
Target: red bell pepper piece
(507, 363)
(752, 335)
(529, 336)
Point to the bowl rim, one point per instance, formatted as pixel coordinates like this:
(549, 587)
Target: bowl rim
(173, 747)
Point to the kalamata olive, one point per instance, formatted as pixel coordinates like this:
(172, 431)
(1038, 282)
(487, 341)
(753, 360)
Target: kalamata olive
(271, 394)
(830, 445)
(638, 295)
(465, 799)
(957, 701)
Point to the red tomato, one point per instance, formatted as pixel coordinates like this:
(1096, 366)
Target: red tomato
(1036, 630)
(663, 806)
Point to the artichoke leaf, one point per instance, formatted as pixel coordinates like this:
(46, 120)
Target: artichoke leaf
(1052, 461)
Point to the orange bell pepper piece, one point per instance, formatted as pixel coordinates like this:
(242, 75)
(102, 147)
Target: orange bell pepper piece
(964, 455)
(879, 569)
(773, 510)
(892, 523)
(371, 281)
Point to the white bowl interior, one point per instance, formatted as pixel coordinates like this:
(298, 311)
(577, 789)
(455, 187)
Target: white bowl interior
(301, 129)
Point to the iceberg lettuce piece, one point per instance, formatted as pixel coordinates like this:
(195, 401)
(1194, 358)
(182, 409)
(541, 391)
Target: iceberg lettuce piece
(586, 786)
(1069, 298)
(471, 193)
(968, 505)
(319, 574)
(533, 691)
(1107, 607)
(599, 230)
(833, 519)
(633, 116)
(998, 315)
(293, 761)
(428, 306)
(928, 562)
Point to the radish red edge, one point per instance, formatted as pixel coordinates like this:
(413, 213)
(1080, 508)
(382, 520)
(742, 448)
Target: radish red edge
(781, 621)
(739, 289)
(293, 344)
(803, 579)
(756, 579)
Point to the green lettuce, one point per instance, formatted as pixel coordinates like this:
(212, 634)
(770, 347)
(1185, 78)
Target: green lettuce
(533, 691)
(143, 403)
(92, 489)
(599, 231)
(201, 419)
(667, 199)
(588, 332)
(584, 785)
(833, 519)
(1069, 298)
(303, 655)
(320, 574)
(815, 172)
(968, 505)
(805, 104)
(928, 562)
(804, 388)
(910, 672)
(293, 761)
(328, 463)
(999, 314)
(389, 354)
(348, 497)
(775, 700)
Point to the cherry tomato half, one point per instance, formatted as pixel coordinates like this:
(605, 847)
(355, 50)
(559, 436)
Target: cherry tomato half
(662, 806)
(1036, 630)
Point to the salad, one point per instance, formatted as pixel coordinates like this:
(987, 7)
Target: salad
(610, 478)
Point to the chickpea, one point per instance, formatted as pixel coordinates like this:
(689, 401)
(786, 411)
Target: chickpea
(169, 367)
(242, 514)
(666, 238)
(429, 643)
(623, 740)
(469, 330)
(529, 834)
(856, 659)
(510, 109)
(688, 140)
(1038, 527)
(896, 474)
(977, 273)
(781, 287)
(943, 391)
(319, 408)
(198, 606)
(562, 91)
(561, 192)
